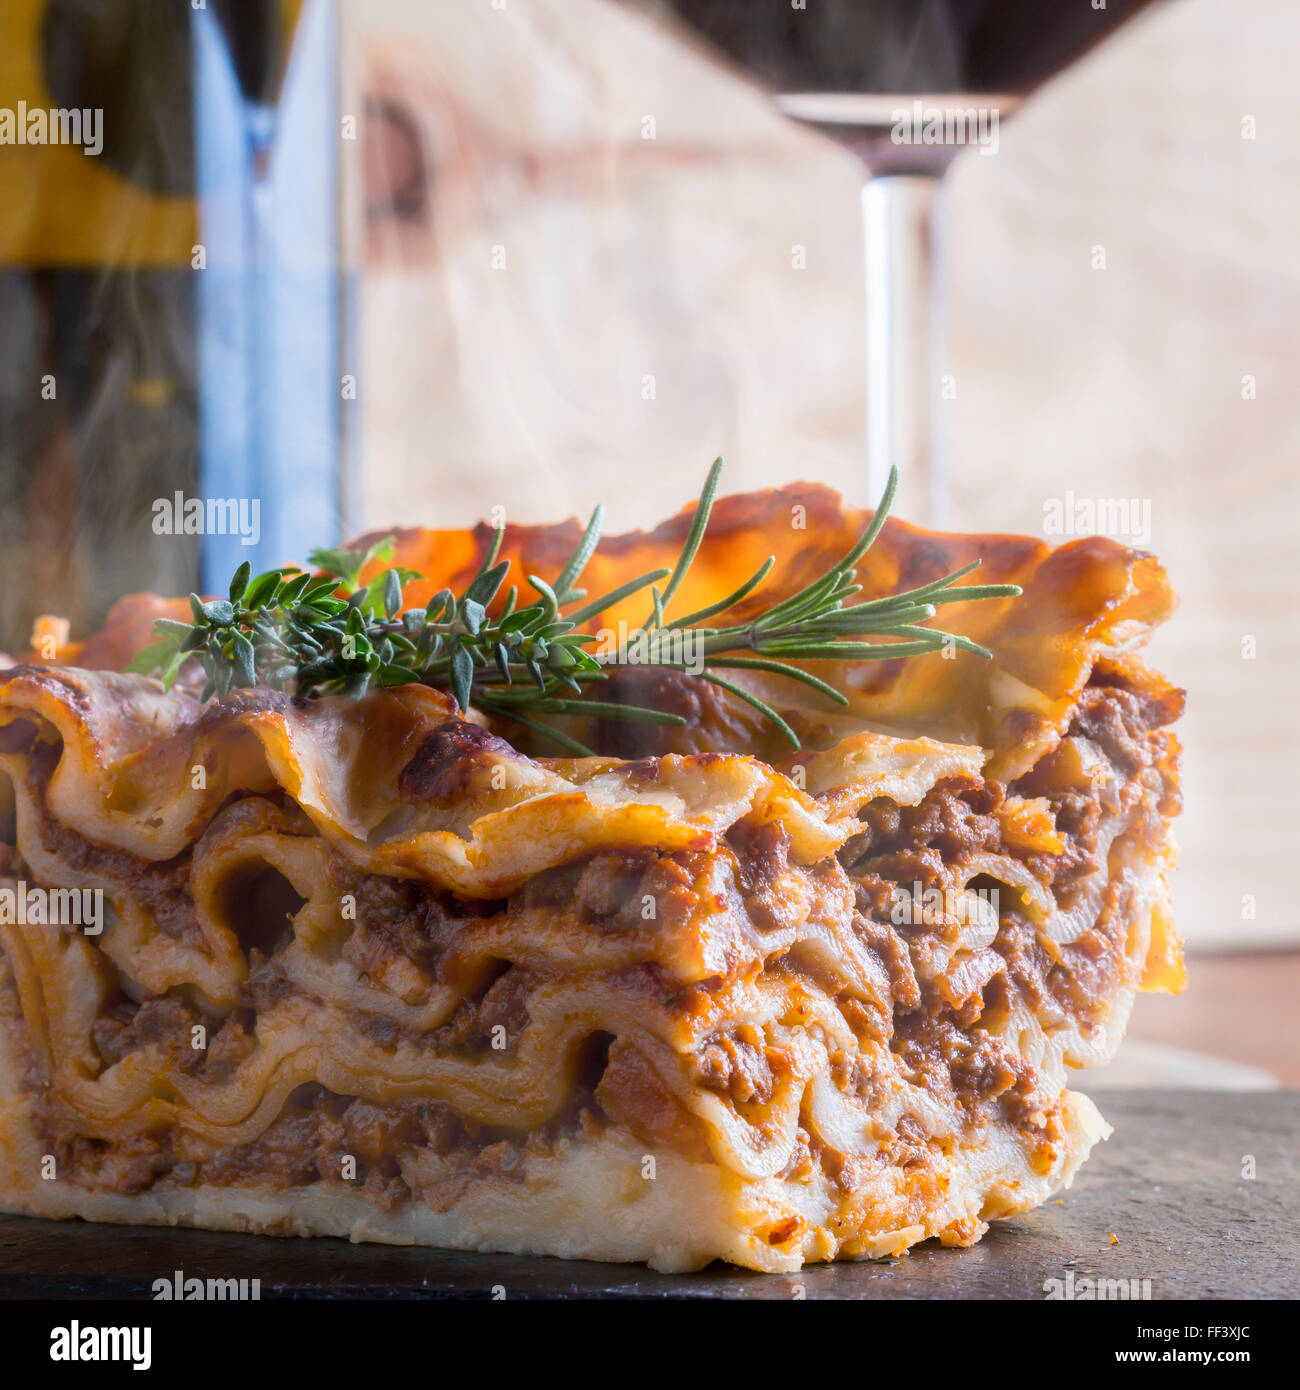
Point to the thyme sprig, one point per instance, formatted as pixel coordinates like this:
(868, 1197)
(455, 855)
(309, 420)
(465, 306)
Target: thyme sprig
(328, 633)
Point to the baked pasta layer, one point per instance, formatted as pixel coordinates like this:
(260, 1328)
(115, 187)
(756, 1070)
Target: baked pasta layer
(368, 969)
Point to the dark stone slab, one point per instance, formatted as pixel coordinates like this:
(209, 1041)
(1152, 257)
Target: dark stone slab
(1169, 1186)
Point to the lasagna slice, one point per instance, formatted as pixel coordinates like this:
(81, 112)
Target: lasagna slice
(368, 969)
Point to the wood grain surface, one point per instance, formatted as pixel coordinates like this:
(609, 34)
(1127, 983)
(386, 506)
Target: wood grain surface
(1242, 1008)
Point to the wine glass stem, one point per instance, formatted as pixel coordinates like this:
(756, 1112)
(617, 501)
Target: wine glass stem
(903, 218)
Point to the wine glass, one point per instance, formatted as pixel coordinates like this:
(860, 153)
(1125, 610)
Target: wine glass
(907, 85)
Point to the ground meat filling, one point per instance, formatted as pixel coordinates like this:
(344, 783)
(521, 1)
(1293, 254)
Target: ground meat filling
(342, 1141)
(935, 1014)
(935, 991)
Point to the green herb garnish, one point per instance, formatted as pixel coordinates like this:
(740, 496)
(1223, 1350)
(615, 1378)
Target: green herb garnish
(329, 634)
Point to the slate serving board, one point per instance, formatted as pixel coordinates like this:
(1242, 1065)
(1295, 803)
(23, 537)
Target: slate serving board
(1169, 1185)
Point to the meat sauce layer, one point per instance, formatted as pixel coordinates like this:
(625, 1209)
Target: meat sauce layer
(1115, 764)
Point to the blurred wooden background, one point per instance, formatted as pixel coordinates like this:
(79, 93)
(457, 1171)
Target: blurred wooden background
(559, 309)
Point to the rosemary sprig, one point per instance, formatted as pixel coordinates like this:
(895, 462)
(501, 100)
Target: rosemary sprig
(327, 633)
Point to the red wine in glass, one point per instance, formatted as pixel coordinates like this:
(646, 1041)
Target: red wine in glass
(872, 74)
